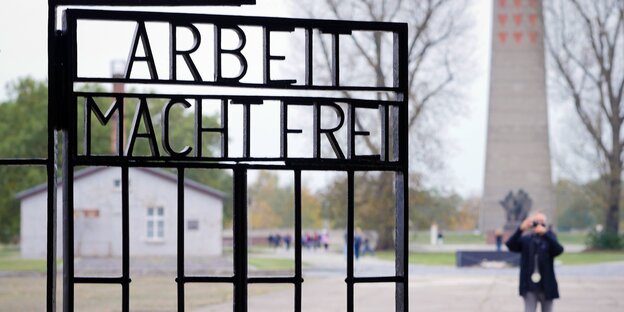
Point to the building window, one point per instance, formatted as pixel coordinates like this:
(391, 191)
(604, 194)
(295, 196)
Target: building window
(91, 213)
(155, 223)
(117, 184)
(192, 225)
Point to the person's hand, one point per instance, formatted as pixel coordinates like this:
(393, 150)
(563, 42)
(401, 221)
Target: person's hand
(526, 224)
(540, 229)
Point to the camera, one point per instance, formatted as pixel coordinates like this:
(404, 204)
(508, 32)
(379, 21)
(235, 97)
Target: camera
(535, 224)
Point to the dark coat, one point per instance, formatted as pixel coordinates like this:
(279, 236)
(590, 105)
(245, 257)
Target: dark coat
(548, 250)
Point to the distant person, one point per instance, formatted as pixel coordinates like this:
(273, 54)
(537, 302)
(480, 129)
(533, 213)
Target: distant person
(357, 243)
(325, 239)
(538, 247)
(440, 238)
(307, 240)
(271, 239)
(498, 236)
(287, 240)
(316, 240)
(278, 240)
(366, 248)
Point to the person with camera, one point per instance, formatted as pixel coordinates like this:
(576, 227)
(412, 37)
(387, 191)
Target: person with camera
(538, 247)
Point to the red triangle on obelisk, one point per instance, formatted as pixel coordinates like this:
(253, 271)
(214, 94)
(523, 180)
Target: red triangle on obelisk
(533, 36)
(502, 36)
(517, 36)
(502, 3)
(517, 3)
(502, 19)
(518, 19)
(533, 19)
(533, 3)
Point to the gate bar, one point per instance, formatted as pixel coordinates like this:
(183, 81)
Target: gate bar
(52, 220)
(400, 149)
(68, 226)
(350, 239)
(298, 273)
(125, 239)
(180, 280)
(240, 239)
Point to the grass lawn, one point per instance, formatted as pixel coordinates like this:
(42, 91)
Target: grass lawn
(591, 257)
(147, 293)
(10, 261)
(576, 238)
(271, 264)
(448, 258)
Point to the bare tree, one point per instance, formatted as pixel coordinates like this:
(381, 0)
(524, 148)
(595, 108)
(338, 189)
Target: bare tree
(436, 53)
(585, 40)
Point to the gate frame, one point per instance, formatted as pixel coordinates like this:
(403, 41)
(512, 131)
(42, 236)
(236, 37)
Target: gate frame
(61, 96)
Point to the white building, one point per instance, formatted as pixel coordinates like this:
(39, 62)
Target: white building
(153, 215)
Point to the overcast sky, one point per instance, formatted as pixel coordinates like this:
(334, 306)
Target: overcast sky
(23, 53)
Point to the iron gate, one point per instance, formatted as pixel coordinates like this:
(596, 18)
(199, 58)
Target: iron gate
(392, 158)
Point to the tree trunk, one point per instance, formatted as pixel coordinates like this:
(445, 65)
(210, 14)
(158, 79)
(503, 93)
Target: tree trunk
(385, 241)
(613, 213)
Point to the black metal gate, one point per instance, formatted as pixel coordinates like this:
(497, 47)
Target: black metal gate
(64, 77)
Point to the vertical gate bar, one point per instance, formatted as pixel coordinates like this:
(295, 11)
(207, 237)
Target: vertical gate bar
(401, 152)
(350, 229)
(403, 77)
(383, 112)
(51, 222)
(68, 226)
(180, 278)
(402, 253)
(240, 239)
(309, 56)
(225, 133)
(335, 56)
(51, 167)
(125, 240)
(298, 273)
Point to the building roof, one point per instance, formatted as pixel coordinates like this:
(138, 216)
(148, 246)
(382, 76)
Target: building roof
(188, 183)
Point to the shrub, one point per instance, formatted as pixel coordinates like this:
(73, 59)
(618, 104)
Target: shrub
(605, 240)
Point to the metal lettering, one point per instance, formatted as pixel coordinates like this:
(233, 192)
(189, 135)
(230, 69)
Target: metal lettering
(351, 118)
(247, 123)
(186, 55)
(199, 128)
(165, 128)
(237, 52)
(89, 107)
(142, 112)
(284, 130)
(329, 132)
(268, 58)
(140, 33)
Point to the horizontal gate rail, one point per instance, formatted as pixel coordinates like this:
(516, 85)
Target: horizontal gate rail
(155, 2)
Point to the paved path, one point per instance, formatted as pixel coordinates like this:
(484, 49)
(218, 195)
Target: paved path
(447, 293)
(434, 288)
